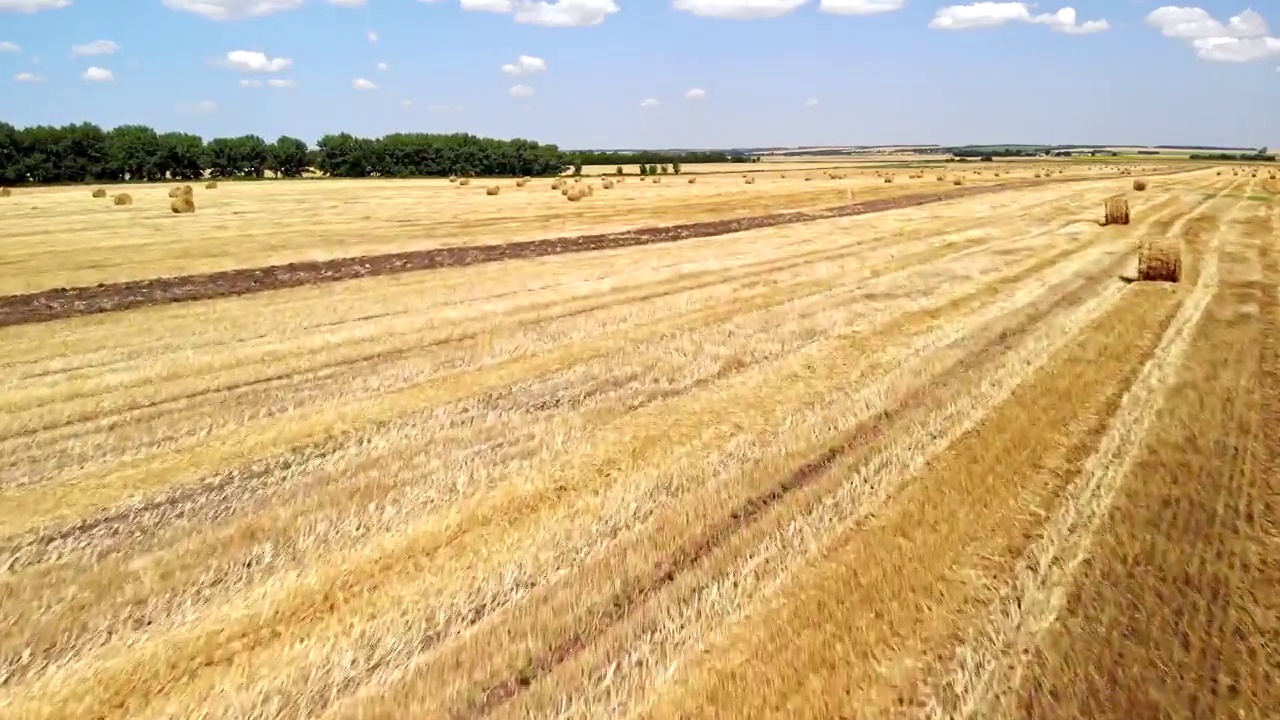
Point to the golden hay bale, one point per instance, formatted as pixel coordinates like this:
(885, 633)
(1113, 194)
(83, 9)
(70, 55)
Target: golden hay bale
(590, 190)
(577, 179)
(5, 192)
(750, 181)
(183, 204)
(574, 193)
(607, 184)
(941, 178)
(521, 182)
(1160, 261)
(888, 179)
(693, 180)
(566, 189)
(657, 180)
(1139, 184)
(453, 178)
(99, 193)
(1037, 175)
(211, 185)
(464, 181)
(492, 190)
(807, 179)
(1116, 210)
(556, 185)
(959, 180)
(122, 199)
(183, 190)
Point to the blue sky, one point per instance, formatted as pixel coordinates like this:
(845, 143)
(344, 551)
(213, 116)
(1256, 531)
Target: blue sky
(770, 72)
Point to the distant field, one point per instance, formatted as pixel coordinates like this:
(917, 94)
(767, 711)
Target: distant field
(935, 462)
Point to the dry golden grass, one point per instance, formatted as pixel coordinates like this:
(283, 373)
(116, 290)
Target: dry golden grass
(843, 468)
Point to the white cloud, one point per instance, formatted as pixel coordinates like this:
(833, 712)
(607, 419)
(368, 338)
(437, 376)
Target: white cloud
(382, 66)
(31, 6)
(8, 47)
(649, 102)
(203, 107)
(231, 9)
(525, 65)
(738, 9)
(860, 7)
(97, 74)
(406, 103)
(362, 84)
(349, 3)
(251, 83)
(695, 94)
(557, 13)
(254, 61)
(1243, 38)
(282, 83)
(811, 102)
(26, 77)
(371, 36)
(520, 91)
(97, 47)
(994, 14)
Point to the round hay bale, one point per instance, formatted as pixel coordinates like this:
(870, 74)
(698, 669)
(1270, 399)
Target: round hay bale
(574, 193)
(577, 179)
(521, 182)
(211, 185)
(657, 180)
(122, 199)
(180, 191)
(693, 180)
(99, 193)
(453, 178)
(1139, 184)
(1160, 261)
(750, 181)
(464, 181)
(556, 185)
(607, 184)
(888, 179)
(183, 204)
(941, 178)
(1116, 210)
(566, 189)
(492, 190)
(808, 179)
(959, 180)
(5, 192)
(590, 190)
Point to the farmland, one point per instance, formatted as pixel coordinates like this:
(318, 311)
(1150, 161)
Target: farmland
(940, 460)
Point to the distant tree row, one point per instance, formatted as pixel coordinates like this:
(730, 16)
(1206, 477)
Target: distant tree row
(651, 157)
(1254, 157)
(87, 153)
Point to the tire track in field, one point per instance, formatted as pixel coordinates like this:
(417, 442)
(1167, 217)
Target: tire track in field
(991, 663)
(129, 526)
(635, 591)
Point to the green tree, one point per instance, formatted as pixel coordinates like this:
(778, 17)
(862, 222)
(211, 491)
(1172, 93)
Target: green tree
(577, 167)
(653, 169)
(618, 170)
(288, 157)
(134, 153)
(675, 167)
(644, 169)
(663, 168)
(182, 156)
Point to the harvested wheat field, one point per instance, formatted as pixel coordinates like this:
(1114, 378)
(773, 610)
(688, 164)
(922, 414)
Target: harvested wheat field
(937, 461)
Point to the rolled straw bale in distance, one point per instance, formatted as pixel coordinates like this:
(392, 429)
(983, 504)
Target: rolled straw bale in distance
(453, 178)
(122, 199)
(5, 192)
(607, 184)
(959, 180)
(750, 181)
(521, 182)
(493, 190)
(574, 193)
(464, 181)
(183, 204)
(99, 193)
(693, 180)
(181, 191)
(1160, 261)
(1139, 184)
(211, 185)
(657, 180)
(590, 190)
(888, 179)
(1116, 210)
(556, 184)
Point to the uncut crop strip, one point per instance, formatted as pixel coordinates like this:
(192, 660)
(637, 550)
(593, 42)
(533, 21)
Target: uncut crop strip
(132, 524)
(643, 419)
(108, 297)
(1186, 551)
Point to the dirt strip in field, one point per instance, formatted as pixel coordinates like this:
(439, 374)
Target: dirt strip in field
(59, 303)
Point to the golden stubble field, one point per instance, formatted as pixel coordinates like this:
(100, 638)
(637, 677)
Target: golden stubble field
(937, 462)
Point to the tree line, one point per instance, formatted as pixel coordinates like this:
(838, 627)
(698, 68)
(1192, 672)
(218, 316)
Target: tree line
(84, 152)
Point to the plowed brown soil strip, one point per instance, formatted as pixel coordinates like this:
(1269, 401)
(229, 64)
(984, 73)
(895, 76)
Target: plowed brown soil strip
(61, 303)
(1174, 615)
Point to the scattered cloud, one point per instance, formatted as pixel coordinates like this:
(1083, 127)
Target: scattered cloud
(860, 7)
(382, 66)
(8, 47)
(525, 65)
(251, 83)
(650, 102)
(282, 83)
(695, 94)
(520, 91)
(443, 108)
(97, 47)
(1243, 38)
(254, 61)
(371, 36)
(31, 6)
(362, 84)
(349, 3)
(738, 9)
(204, 107)
(97, 74)
(557, 13)
(230, 9)
(995, 14)
(26, 77)
(811, 102)
(406, 103)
